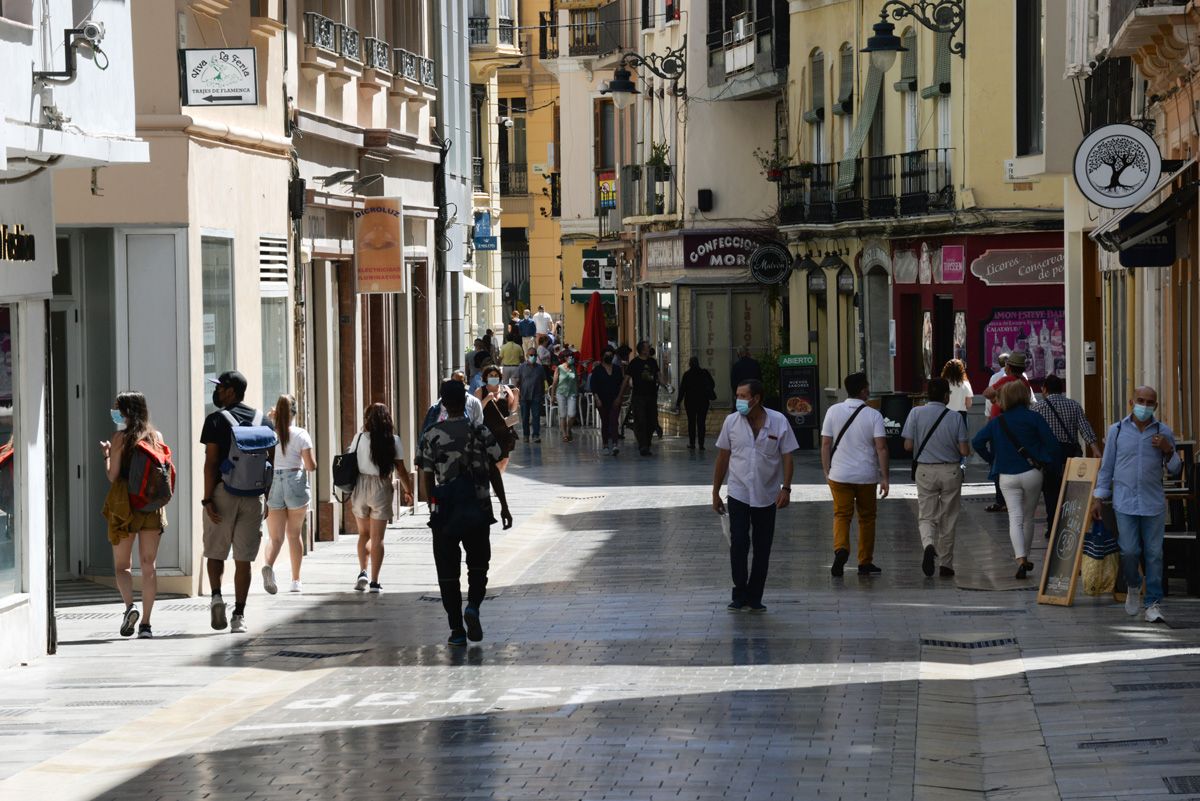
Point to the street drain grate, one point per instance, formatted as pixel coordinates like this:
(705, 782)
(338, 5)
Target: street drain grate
(581, 497)
(185, 608)
(324, 620)
(115, 702)
(1181, 785)
(974, 612)
(310, 655)
(975, 644)
(87, 615)
(1098, 745)
(1162, 685)
(279, 641)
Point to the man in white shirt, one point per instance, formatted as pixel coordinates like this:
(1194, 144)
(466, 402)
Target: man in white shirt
(755, 452)
(855, 458)
(542, 320)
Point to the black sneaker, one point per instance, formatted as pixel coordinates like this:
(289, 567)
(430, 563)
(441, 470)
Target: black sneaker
(471, 618)
(757, 609)
(1022, 570)
(840, 557)
(457, 637)
(362, 582)
(129, 622)
(735, 606)
(376, 587)
(144, 632)
(928, 560)
(945, 572)
(868, 569)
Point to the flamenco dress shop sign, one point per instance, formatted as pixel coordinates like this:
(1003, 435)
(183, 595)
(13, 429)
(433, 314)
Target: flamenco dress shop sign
(1009, 267)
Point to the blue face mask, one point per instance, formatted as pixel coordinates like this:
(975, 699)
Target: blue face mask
(1143, 412)
(117, 418)
(743, 406)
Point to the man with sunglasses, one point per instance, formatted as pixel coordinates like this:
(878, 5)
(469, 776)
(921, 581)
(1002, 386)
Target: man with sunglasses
(1136, 450)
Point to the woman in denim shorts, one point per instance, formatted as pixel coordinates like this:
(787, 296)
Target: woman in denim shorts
(288, 502)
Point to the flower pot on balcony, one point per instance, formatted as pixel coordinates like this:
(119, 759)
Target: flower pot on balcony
(775, 175)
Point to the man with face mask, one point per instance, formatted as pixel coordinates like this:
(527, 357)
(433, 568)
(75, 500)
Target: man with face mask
(1136, 450)
(755, 452)
(605, 384)
(531, 382)
(528, 329)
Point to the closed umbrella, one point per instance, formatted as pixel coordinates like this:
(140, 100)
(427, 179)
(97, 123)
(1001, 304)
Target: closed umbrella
(595, 332)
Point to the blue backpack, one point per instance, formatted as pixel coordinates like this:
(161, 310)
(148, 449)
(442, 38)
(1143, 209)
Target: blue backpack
(248, 471)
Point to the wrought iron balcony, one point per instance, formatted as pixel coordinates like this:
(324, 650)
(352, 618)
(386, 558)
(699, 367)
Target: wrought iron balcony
(651, 190)
(478, 27)
(428, 72)
(407, 65)
(477, 174)
(1137, 24)
(320, 32)
(1119, 11)
(901, 185)
(751, 43)
(555, 195)
(506, 31)
(547, 36)
(349, 44)
(514, 178)
(377, 54)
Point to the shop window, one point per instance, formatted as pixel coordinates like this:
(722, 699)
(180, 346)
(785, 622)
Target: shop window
(273, 286)
(216, 280)
(8, 482)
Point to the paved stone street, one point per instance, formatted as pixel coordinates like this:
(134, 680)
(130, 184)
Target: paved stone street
(610, 669)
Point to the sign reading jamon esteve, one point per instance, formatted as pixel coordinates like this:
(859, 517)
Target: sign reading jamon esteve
(379, 246)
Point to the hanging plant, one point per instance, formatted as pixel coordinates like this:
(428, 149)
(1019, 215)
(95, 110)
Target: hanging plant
(771, 164)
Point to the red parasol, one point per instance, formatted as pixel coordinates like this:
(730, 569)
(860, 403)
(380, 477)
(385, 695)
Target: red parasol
(595, 331)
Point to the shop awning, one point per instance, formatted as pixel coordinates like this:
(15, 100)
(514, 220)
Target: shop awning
(584, 295)
(1109, 236)
(472, 287)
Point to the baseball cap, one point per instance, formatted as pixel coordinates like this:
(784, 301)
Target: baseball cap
(230, 378)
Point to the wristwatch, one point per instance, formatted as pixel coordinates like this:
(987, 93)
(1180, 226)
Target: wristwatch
(788, 490)
(205, 501)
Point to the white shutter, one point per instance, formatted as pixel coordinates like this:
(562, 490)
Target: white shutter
(273, 266)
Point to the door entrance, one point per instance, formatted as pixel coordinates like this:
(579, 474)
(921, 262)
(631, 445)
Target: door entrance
(943, 332)
(66, 408)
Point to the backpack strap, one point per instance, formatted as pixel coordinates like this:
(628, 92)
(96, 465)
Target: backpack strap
(845, 428)
(258, 418)
(1061, 422)
(229, 416)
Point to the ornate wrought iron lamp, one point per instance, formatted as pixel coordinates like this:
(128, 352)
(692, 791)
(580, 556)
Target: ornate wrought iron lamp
(669, 66)
(939, 16)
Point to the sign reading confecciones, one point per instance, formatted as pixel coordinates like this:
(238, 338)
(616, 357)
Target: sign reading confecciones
(15, 244)
(379, 246)
(721, 248)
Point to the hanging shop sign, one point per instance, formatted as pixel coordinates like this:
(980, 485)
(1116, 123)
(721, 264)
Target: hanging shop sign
(771, 264)
(16, 244)
(483, 238)
(954, 264)
(1008, 267)
(1117, 166)
(379, 246)
(219, 76)
(1038, 333)
(728, 249)
(1156, 250)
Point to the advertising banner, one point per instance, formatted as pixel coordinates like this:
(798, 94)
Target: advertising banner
(954, 264)
(379, 246)
(798, 391)
(1038, 333)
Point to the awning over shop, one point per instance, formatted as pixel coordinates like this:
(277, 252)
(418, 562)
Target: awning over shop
(584, 295)
(472, 287)
(1114, 238)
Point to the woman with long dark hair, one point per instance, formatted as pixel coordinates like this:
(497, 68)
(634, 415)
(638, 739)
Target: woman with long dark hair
(507, 399)
(961, 393)
(379, 452)
(131, 416)
(288, 501)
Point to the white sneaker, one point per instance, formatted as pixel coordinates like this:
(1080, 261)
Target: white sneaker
(269, 584)
(296, 587)
(237, 624)
(1154, 614)
(362, 582)
(1133, 601)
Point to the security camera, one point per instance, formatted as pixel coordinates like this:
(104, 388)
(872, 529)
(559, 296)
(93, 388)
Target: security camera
(92, 31)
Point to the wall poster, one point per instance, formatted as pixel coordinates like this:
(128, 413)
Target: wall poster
(1038, 333)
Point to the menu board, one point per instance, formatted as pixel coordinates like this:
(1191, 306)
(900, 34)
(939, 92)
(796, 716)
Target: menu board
(798, 388)
(1073, 518)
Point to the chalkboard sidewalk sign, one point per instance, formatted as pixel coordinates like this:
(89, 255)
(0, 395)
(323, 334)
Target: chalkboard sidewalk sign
(1073, 518)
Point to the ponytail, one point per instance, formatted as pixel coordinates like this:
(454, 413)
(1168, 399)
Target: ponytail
(285, 412)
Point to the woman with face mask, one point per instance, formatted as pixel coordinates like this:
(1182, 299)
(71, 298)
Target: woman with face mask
(605, 384)
(131, 416)
(566, 388)
(506, 398)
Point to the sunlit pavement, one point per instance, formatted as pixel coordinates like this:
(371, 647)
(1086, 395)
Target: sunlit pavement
(611, 669)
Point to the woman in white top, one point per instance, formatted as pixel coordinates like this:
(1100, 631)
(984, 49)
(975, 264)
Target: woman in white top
(288, 501)
(961, 394)
(379, 452)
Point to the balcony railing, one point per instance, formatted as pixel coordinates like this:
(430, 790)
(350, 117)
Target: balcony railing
(478, 27)
(1121, 10)
(547, 36)
(407, 65)
(320, 32)
(428, 72)
(514, 178)
(506, 32)
(477, 173)
(349, 44)
(895, 186)
(653, 191)
(377, 54)
(555, 195)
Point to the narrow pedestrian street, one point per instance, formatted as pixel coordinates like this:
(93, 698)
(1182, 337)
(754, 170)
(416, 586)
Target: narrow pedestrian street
(611, 669)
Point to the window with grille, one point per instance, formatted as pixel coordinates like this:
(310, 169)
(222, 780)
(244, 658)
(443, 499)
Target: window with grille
(276, 343)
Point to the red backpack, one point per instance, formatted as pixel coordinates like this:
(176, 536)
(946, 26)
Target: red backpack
(151, 476)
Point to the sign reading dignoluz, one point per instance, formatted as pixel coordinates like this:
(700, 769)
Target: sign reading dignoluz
(379, 246)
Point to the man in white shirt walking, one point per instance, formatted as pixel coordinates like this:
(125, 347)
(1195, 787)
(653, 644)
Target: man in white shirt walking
(755, 452)
(542, 320)
(855, 458)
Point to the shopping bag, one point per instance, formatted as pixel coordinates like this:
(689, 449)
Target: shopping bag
(1100, 560)
(725, 526)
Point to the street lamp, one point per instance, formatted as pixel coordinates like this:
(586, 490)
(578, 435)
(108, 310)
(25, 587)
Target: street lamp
(670, 66)
(939, 16)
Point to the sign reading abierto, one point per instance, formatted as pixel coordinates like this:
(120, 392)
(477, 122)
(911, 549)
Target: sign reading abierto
(1117, 166)
(219, 76)
(379, 246)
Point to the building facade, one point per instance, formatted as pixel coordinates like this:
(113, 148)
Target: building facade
(68, 112)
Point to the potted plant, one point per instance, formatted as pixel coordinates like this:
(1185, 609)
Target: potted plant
(659, 151)
(771, 163)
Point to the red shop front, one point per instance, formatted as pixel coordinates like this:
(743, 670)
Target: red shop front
(972, 297)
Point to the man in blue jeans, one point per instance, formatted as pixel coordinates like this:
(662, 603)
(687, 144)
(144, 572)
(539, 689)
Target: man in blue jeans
(1136, 450)
(754, 450)
(530, 380)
